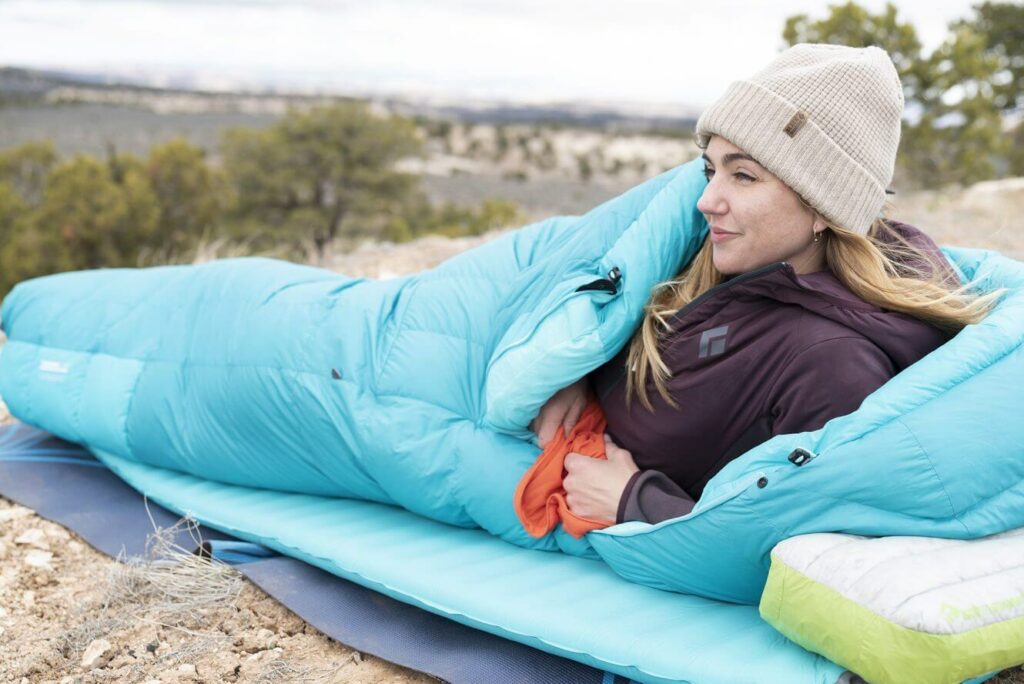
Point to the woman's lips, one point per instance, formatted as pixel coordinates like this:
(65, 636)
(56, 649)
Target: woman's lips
(720, 235)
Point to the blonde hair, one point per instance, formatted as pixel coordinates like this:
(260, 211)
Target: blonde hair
(890, 273)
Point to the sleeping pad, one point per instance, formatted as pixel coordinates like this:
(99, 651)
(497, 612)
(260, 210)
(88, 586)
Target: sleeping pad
(417, 391)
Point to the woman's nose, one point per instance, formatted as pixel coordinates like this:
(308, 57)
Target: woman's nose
(710, 201)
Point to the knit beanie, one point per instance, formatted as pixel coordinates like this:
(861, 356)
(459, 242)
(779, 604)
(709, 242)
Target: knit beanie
(824, 119)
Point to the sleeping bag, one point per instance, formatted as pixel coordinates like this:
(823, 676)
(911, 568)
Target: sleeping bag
(417, 391)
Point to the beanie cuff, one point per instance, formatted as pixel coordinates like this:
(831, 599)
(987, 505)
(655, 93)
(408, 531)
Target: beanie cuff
(755, 120)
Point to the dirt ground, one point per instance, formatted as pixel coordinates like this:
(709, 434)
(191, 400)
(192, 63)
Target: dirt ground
(70, 614)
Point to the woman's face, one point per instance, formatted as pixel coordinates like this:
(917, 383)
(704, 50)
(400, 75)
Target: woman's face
(755, 218)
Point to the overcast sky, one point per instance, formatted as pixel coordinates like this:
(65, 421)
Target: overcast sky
(667, 51)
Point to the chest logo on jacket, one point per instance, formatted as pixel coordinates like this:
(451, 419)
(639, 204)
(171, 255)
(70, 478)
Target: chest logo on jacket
(712, 342)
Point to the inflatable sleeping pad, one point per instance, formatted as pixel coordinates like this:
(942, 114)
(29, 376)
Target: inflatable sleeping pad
(417, 391)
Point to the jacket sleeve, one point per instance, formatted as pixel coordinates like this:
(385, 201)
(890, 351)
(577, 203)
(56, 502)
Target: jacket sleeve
(650, 496)
(826, 380)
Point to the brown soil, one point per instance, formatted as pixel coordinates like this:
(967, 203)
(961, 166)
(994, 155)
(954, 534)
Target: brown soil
(61, 602)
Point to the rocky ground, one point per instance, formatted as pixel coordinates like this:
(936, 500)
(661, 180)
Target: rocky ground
(70, 614)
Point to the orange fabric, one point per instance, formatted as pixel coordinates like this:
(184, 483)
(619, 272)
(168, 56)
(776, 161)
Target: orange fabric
(540, 496)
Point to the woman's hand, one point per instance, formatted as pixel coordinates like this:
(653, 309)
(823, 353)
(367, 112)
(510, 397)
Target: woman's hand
(564, 408)
(593, 486)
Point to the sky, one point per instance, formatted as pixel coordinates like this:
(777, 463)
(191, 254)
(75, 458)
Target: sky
(671, 52)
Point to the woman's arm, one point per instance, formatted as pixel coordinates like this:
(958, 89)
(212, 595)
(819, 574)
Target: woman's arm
(651, 496)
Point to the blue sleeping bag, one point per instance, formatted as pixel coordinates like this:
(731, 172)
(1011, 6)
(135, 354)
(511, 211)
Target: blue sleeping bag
(417, 391)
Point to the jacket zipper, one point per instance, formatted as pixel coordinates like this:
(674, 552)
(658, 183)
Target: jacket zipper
(742, 278)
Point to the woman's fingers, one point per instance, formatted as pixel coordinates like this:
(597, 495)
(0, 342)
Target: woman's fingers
(550, 418)
(611, 449)
(577, 395)
(616, 453)
(572, 416)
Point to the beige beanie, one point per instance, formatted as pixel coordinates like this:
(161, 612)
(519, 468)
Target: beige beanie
(824, 119)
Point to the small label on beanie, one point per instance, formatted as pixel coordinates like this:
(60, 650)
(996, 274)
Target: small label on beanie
(795, 124)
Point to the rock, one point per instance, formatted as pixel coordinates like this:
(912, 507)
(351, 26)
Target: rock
(39, 559)
(267, 637)
(97, 654)
(357, 657)
(3, 551)
(263, 640)
(121, 660)
(28, 599)
(14, 512)
(8, 576)
(186, 671)
(33, 537)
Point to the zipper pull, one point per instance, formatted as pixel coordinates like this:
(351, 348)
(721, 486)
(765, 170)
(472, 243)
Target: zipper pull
(608, 284)
(800, 456)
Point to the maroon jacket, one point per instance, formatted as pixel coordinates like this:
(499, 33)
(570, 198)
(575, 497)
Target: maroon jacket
(765, 353)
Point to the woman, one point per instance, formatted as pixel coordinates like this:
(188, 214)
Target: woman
(801, 302)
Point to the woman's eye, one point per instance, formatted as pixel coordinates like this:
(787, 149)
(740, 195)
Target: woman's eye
(739, 175)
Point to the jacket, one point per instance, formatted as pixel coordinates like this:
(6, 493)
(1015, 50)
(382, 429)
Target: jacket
(765, 353)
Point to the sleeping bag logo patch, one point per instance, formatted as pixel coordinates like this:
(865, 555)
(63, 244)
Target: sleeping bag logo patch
(53, 370)
(712, 342)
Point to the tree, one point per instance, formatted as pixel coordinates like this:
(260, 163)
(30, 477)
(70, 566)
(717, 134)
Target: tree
(193, 196)
(85, 219)
(1001, 24)
(316, 175)
(12, 208)
(852, 25)
(959, 134)
(953, 129)
(25, 167)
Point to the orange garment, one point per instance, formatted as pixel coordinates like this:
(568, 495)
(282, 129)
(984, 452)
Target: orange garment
(540, 497)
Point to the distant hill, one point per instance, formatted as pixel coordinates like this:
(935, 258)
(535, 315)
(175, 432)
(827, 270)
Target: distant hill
(21, 86)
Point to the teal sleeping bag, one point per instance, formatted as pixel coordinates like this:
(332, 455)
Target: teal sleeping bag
(417, 391)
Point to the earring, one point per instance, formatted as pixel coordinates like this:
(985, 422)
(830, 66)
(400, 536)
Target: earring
(817, 237)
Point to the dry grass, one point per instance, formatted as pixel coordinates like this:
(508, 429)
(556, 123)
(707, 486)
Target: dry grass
(171, 585)
(169, 615)
(988, 215)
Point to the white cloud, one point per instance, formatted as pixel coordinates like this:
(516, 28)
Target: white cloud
(656, 50)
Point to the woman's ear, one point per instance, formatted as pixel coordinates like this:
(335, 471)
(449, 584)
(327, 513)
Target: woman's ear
(820, 223)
